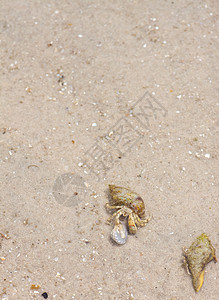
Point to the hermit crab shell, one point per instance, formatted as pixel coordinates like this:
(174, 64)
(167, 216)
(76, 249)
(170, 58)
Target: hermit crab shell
(124, 196)
(119, 234)
(197, 256)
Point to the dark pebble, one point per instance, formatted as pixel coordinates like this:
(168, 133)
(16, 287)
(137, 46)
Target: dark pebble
(45, 295)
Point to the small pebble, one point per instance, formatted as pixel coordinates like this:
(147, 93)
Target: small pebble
(45, 295)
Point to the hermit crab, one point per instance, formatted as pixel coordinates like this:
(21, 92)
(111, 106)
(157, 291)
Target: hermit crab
(196, 257)
(129, 207)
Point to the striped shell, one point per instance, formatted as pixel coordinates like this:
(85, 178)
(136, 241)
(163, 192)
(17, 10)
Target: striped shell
(124, 196)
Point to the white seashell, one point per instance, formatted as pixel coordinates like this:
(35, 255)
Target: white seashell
(119, 233)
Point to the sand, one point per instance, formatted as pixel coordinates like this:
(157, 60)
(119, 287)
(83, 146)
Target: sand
(106, 92)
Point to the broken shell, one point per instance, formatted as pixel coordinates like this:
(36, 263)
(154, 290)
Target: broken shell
(197, 256)
(119, 234)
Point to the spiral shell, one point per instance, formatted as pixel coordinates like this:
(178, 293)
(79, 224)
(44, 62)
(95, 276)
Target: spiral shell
(124, 196)
(119, 234)
(197, 256)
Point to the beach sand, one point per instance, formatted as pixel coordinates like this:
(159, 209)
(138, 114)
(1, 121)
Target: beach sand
(106, 92)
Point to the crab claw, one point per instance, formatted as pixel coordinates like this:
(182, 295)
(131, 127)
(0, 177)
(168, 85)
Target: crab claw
(119, 234)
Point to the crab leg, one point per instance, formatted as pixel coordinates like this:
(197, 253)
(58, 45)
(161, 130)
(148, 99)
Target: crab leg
(111, 207)
(141, 222)
(123, 211)
(131, 224)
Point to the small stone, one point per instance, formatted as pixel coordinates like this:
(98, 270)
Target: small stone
(45, 295)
